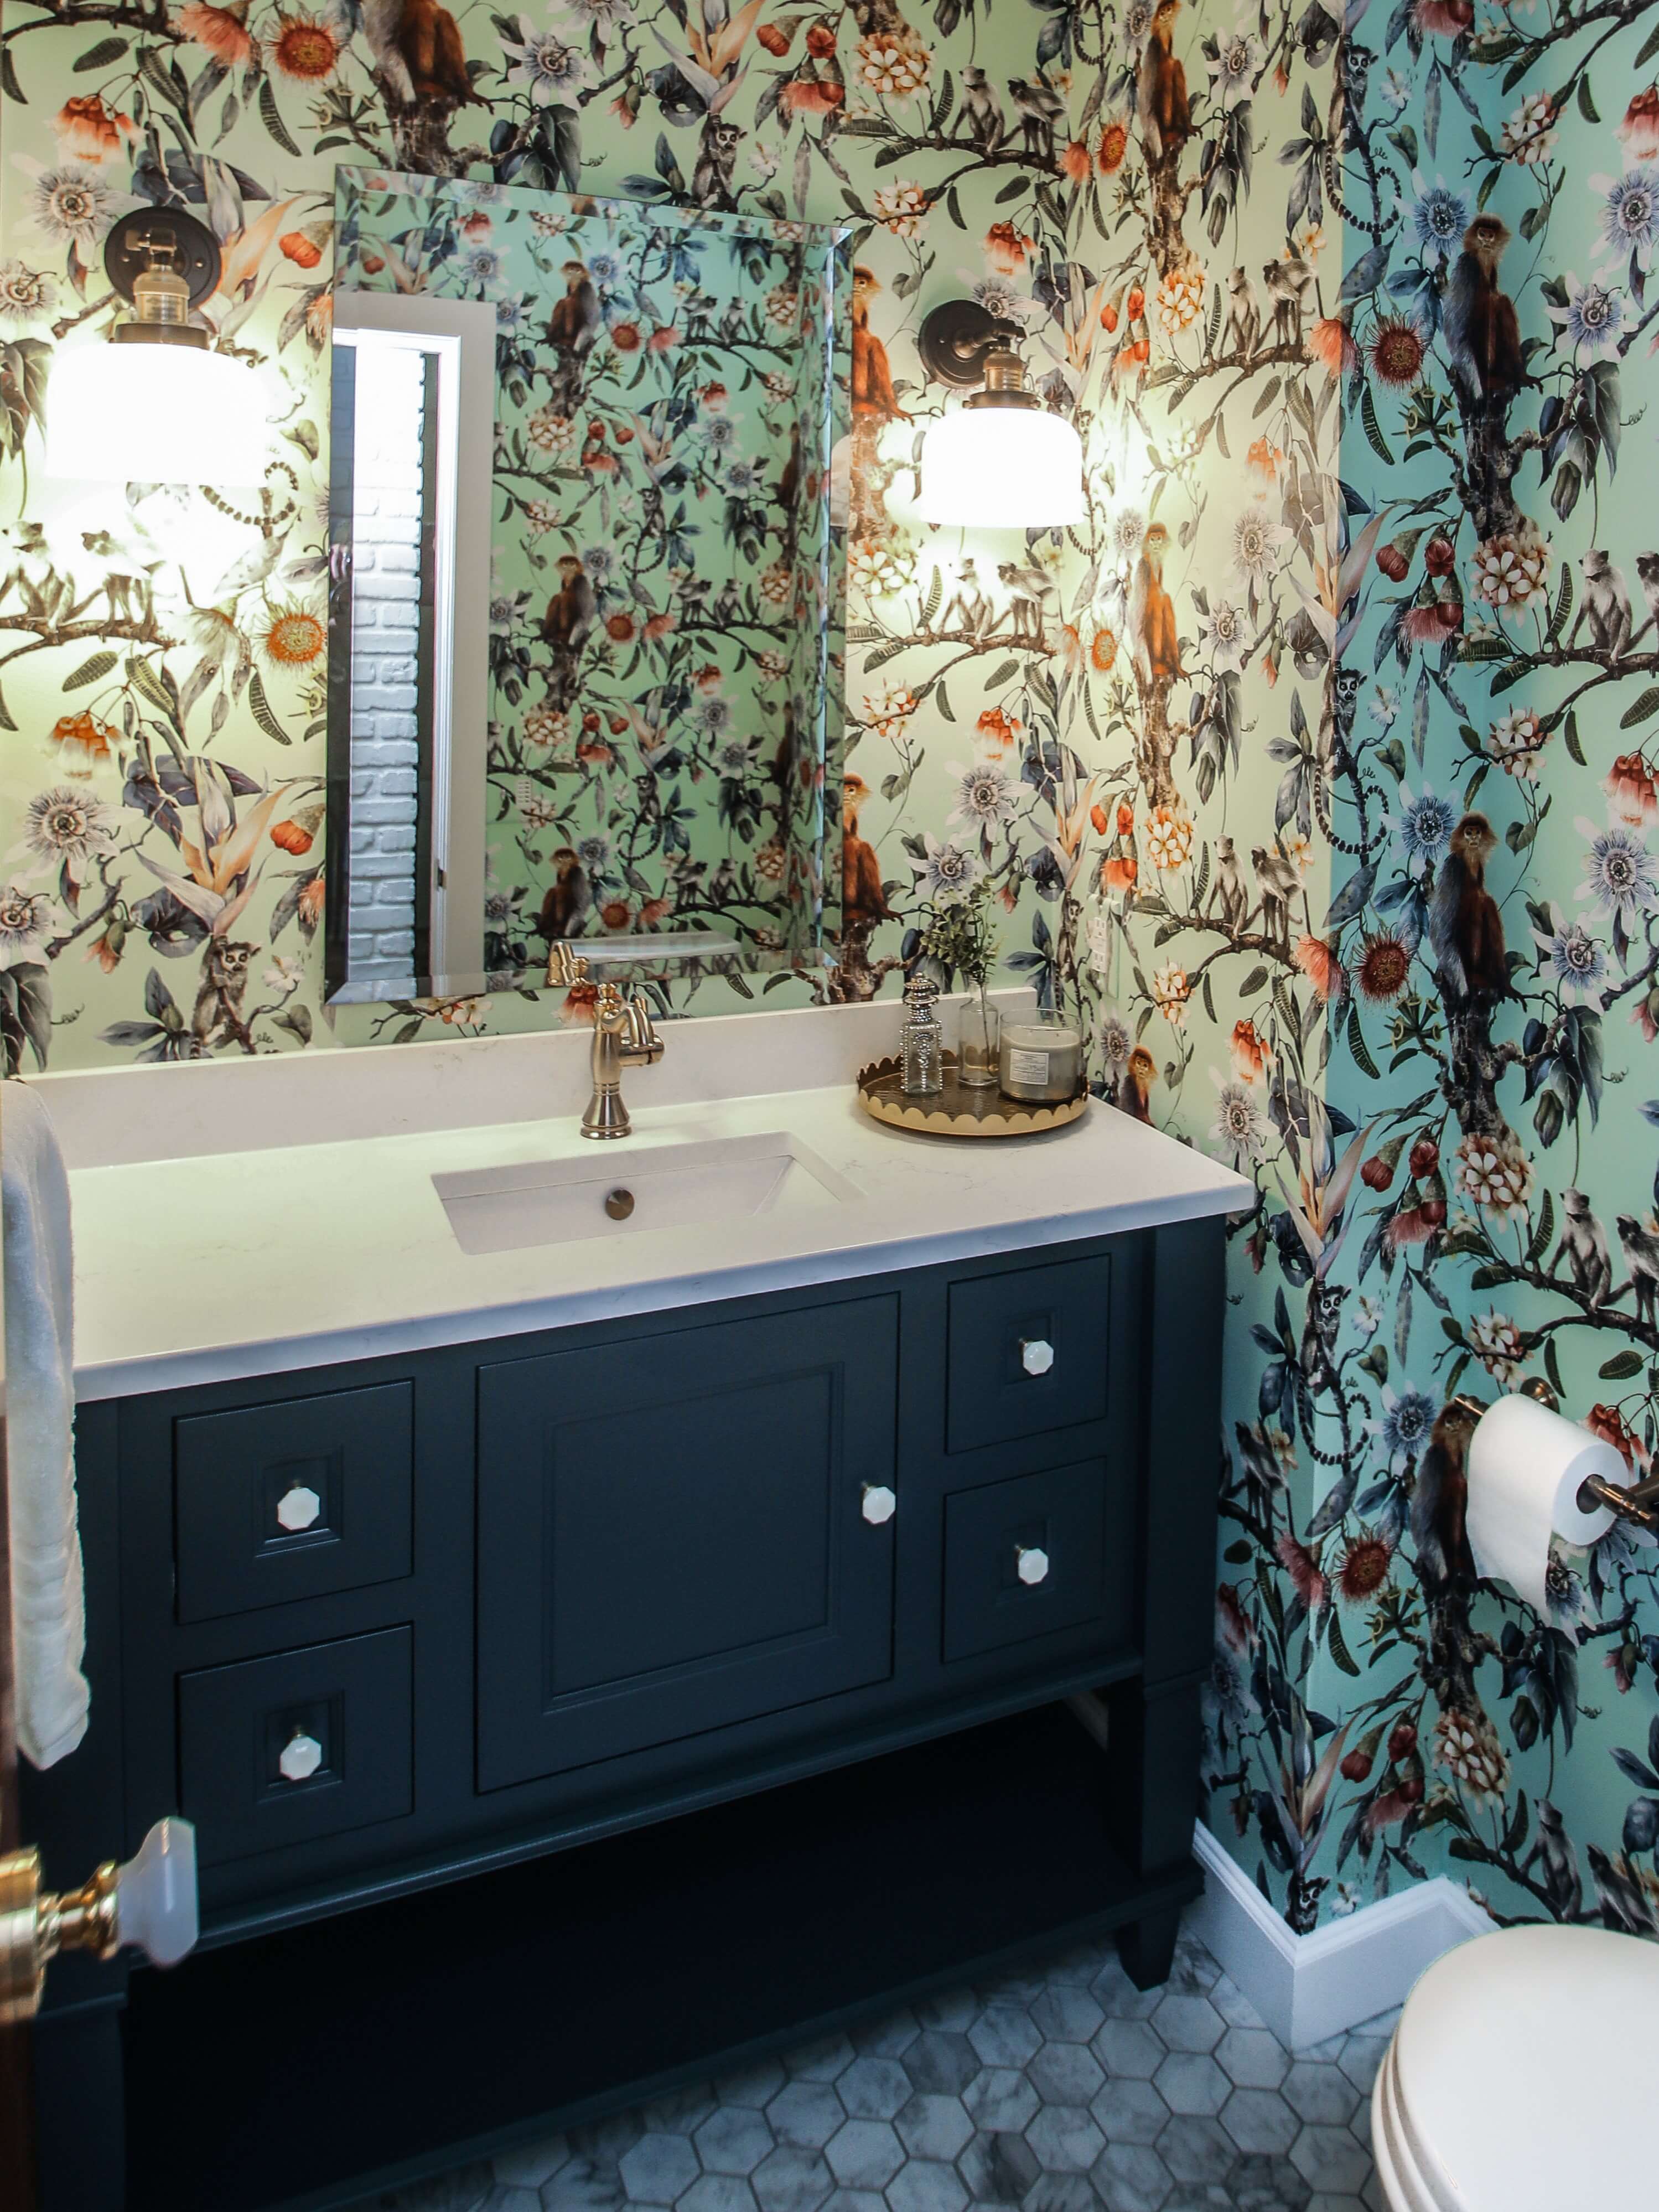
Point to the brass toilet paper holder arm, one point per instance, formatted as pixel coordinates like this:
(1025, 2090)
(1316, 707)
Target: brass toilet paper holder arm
(1636, 1501)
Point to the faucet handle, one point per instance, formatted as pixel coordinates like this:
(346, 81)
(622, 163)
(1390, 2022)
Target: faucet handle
(564, 966)
(642, 1030)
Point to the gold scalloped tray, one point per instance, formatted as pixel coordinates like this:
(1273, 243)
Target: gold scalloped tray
(958, 1111)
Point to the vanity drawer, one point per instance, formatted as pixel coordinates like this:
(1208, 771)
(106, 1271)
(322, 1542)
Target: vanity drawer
(295, 1499)
(305, 1744)
(1028, 1351)
(1075, 1527)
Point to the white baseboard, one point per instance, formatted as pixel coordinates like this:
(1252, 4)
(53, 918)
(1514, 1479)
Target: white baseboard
(1308, 1987)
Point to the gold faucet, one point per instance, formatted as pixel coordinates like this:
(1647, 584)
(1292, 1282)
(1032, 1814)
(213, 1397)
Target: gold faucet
(624, 1036)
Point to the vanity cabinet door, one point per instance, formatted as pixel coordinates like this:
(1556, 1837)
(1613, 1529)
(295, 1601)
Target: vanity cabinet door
(674, 1533)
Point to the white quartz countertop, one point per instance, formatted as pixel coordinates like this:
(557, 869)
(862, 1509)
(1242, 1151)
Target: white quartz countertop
(242, 1263)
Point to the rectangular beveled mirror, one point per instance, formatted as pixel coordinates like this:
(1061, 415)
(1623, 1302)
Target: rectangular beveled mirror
(585, 586)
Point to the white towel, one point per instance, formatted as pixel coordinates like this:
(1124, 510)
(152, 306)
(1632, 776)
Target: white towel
(48, 1598)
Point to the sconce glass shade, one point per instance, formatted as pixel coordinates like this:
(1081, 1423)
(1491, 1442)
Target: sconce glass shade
(154, 414)
(990, 467)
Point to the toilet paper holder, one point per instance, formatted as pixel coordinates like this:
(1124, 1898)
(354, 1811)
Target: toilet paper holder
(1637, 1501)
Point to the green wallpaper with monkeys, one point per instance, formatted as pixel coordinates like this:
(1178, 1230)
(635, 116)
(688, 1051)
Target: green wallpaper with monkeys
(1311, 770)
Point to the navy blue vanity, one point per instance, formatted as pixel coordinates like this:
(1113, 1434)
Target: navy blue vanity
(565, 1715)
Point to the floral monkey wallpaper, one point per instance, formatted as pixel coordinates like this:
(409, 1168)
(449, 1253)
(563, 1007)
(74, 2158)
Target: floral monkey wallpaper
(660, 547)
(1316, 770)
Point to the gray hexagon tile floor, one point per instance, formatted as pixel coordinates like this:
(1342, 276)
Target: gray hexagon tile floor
(1062, 2089)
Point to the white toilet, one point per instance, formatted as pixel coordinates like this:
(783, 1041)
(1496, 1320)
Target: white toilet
(1520, 2078)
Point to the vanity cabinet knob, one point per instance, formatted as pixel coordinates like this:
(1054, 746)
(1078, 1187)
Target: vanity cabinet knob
(1037, 1354)
(879, 1504)
(301, 1755)
(298, 1508)
(1030, 1564)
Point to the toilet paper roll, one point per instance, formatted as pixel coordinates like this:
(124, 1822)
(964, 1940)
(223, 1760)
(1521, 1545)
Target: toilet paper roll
(1524, 1469)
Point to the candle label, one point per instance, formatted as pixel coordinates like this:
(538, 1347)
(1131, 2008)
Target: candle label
(1027, 1066)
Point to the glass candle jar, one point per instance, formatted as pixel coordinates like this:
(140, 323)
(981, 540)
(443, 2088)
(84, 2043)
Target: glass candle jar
(922, 1041)
(1041, 1060)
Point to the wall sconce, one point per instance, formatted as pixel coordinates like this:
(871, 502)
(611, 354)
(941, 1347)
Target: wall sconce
(154, 404)
(1001, 460)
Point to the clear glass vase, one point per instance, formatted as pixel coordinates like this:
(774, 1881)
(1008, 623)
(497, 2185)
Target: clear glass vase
(977, 1042)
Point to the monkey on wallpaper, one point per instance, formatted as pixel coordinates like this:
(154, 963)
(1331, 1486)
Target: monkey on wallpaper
(1647, 572)
(1465, 926)
(1478, 323)
(980, 112)
(418, 52)
(1232, 899)
(1040, 108)
(1640, 1246)
(1604, 606)
(1153, 638)
(863, 901)
(568, 899)
(1029, 591)
(712, 181)
(970, 605)
(571, 614)
(218, 1011)
(1243, 326)
(1440, 1501)
(1584, 1246)
(572, 328)
(1161, 104)
(873, 396)
(1322, 1325)
(874, 402)
(1135, 1087)
(1290, 287)
(1278, 880)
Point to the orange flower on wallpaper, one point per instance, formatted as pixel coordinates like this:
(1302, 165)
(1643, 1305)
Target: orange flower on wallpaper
(1330, 345)
(1118, 874)
(1250, 1055)
(1006, 248)
(88, 131)
(84, 740)
(1074, 163)
(222, 31)
(305, 48)
(303, 252)
(1002, 729)
(294, 637)
(1104, 652)
(1114, 145)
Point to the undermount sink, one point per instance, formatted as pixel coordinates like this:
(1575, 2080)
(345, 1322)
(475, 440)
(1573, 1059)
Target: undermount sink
(620, 1191)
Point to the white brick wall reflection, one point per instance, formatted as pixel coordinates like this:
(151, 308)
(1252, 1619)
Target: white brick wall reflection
(384, 629)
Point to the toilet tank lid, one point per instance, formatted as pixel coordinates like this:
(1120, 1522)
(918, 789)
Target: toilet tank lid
(1525, 2069)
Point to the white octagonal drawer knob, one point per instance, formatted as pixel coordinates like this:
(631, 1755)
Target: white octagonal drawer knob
(1037, 1354)
(300, 1756)
(1030, 1563)
(879, 1504)
(298, 1508)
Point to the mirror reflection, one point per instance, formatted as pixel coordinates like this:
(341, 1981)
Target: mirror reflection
(585, 589)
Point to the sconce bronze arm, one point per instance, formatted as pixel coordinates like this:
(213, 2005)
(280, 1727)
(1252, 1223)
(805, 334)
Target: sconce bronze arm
(1636, 1501)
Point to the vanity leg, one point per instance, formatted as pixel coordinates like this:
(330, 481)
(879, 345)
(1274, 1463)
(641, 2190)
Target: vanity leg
(80, 2107)
(1146, 1947)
